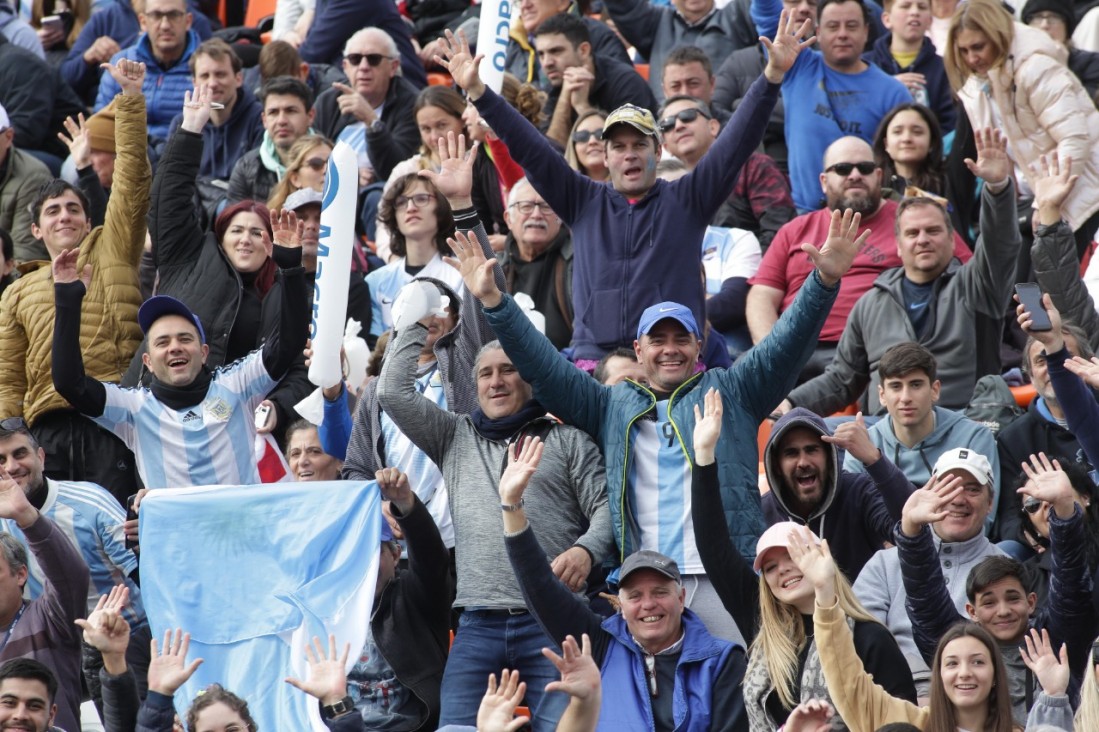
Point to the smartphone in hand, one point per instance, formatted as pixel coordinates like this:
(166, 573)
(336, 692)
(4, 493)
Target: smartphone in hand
(1030, 295)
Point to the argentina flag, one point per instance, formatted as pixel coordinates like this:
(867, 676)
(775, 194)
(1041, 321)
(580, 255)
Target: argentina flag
(253, 573)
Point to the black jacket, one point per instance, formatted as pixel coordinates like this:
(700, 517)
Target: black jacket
(250, 179)
(615, 84)
(36, 99)
(398, 139)
(547, 280)
(192, 268)
(411, 622)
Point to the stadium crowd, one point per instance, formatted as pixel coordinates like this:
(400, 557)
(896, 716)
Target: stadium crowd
(779, 312)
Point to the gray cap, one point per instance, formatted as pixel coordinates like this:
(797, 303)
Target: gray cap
(648, 559)
(302, 197)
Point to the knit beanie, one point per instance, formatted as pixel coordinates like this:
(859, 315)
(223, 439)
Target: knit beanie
(101, 129)
(1061, 7)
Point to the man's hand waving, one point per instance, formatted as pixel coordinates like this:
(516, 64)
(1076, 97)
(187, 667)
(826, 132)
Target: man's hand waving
(834, 258)
(783, 51)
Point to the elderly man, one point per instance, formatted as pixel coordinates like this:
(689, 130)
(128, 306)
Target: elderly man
(108, 332)
(351, 112)
(655, 30)
(537, 259)
(660, 666)
(21, 175)
(568, 501)
(165, 47)
(630, 235)
(287, 115)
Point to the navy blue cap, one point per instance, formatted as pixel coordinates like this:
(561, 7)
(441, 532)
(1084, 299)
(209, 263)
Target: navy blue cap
(655, 313)
(157, 307)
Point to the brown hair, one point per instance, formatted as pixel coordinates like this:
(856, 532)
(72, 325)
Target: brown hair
(942, 716)
(984, 16)
(216, 49)
(81, 10)
(441, 97)
(217, 694)
(387, 214)
(570, 147)
(527, 99)
(904, 358)
(279, 58)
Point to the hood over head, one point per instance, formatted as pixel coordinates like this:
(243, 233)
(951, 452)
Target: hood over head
(799, 417)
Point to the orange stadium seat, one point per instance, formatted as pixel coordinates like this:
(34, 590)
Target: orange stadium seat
(642, 69)
(1024, 394)
(259, 13)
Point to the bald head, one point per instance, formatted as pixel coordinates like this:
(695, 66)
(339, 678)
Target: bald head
(844, 184)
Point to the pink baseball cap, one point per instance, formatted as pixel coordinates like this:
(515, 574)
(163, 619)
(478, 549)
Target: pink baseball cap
(777, 537)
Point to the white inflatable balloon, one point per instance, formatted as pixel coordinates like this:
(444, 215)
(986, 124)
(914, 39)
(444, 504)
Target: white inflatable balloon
(492, 40)
(337, 240)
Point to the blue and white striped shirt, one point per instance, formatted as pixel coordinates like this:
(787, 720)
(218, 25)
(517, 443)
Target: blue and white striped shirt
(93, 521)
(208, 444)
(386, 282)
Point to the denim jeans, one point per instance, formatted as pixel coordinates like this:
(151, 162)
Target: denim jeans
(486, 643)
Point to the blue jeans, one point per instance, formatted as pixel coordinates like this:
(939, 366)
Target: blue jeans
(486, 643)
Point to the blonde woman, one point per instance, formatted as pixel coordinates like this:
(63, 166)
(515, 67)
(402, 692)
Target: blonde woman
(584, 151)
(784, 667)
(1013, 77)
(308, 162)
(1087, 715)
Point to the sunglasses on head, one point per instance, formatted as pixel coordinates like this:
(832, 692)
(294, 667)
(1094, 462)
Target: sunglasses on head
(582, 136)
(866, 167)
(1031, 505)
(11, 424)
(317, 164)
(686, 116)
(371, 58)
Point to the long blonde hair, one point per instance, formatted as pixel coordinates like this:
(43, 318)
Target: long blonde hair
(298, 152)
(985, 16)
(1087, 715)
(781, 635)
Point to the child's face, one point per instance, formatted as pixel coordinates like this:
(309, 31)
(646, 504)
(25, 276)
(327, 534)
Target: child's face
(1003, 608)
(908, 19)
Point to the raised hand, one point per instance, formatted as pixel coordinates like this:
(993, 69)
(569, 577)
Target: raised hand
(1048, 482)
(101, 51)
(834, 258)
(930, 503)
(814, 560)
(1051, 668)
(1052, 339)
(475, 268)
(64, 269)
(579, 675)
(993, 164)
(129, 75)
(327, 678)
(576, 86)
(497, 710)
(1053, 182)
(1085, 369)
(13, 502)
(394, 487)
(196, 109)
(463, 66)
(455, 177)
(79, 141)
(707, 426)
(355, 104)
(783, 51)
(287, 229)
(169, 670)
(105, 629)
(854, 438)
(814, 715)
(521, 466)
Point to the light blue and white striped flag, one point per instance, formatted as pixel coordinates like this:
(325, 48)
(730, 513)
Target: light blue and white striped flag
(254, 572)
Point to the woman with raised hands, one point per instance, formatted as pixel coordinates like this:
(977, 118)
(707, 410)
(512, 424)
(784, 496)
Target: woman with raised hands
(783, 663)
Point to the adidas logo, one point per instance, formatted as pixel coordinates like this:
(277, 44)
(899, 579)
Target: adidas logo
(190, 416)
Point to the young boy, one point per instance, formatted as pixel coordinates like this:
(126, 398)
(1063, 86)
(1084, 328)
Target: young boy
(908, 54)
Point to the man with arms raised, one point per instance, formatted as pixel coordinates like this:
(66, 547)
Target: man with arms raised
(637, 235)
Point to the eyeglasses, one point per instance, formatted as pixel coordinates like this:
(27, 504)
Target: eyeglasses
(317, 164)
(1045, 17)
(582, 136)
(527, 207)
(866, 167)
(418, 199)
(173, 16)
(371, 58)
(1031, 505)
(686, 116)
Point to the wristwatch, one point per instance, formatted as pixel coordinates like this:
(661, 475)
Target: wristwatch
(513, 506)
(340, 708)
(376, 126)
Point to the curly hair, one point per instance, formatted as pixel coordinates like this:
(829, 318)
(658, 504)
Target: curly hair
(217, 694)
(387, 214)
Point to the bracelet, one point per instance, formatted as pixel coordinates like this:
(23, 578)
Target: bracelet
(509, 507)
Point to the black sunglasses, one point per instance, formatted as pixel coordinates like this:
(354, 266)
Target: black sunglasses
(317, 164)
(371, 58)
(582, 136)
(686, 116)
(866, 167)
(1031, 505)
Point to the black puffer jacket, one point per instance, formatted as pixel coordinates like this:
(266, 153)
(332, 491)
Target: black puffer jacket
(193, 269)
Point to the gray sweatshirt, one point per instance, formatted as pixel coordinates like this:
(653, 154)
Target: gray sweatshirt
(566, 501)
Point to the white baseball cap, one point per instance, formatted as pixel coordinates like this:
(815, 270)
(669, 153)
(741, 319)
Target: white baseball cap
(5, 123)
(962, 458)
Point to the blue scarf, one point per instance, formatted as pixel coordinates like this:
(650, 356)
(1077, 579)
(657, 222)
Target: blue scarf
(503, 428)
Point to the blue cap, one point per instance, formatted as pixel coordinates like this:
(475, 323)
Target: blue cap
(157, 307)
(655, 313)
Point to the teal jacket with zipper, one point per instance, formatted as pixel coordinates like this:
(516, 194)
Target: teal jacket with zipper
(751, 389)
